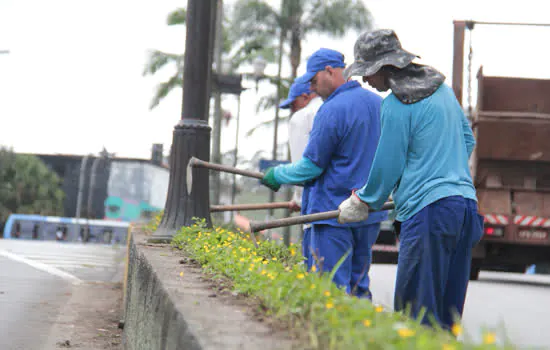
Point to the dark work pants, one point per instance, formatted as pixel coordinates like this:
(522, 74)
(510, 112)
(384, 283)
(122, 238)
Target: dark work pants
(306, 247)
(434, 261)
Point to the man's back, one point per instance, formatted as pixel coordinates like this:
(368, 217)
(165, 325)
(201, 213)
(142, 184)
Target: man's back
(299, 127)
(343, 142)
(439, 142)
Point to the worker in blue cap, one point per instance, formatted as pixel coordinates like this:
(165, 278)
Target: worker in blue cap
(304, 104)
(341, 147)
(422, 158)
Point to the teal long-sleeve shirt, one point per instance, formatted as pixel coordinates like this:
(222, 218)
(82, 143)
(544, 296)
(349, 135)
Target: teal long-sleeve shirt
(297, 172)
(422, 155)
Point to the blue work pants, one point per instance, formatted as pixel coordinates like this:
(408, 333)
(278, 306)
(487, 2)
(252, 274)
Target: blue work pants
(330, 243)
(435, 255)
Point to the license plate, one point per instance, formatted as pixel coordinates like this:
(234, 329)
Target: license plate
(535, 235)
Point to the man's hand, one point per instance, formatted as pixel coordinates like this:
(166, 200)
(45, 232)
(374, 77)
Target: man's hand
(294, 206)
(269, 180)
(353, 210)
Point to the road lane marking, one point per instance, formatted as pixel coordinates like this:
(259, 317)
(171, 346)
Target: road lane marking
(42, 267)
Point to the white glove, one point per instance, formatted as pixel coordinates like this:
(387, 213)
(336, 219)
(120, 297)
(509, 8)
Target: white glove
(353, 210)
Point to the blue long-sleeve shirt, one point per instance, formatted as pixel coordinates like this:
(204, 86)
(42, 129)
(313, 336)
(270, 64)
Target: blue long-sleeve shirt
(339, 152)
(422, 155)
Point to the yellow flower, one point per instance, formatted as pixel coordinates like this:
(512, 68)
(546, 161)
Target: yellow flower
(489, 338)
(272, 277)
(367, 323)
(300, 276)
(263, 272)
(265, 262)
(287, 268)
(274, 259)
(181, 274)
(254, 253)
(379, 308)
(456, 329)
(329, 304)
(448, 347)
(241, 259)
(313, 268)
(327, 293)
(292, 251)
(405, 332)
(312, 286)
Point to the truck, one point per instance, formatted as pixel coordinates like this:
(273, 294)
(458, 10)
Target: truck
(510, 167)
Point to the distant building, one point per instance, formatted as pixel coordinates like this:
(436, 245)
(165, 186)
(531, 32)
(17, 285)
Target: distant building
(126, 189)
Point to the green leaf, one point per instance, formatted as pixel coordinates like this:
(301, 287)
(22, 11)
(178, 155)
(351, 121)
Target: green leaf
(177, 17)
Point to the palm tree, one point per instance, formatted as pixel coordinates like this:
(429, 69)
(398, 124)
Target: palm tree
(158, 59)
(332, 17)
(258, 25)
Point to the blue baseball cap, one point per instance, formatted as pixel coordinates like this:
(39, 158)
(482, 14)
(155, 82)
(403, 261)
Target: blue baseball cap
(295, 91)
(319, 60)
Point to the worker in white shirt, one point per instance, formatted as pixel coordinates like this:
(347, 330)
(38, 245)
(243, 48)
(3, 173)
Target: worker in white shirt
(303, 104)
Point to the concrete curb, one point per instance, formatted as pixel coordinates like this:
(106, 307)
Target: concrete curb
(168, 305)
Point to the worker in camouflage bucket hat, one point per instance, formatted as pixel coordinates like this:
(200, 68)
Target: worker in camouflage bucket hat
(422, 161)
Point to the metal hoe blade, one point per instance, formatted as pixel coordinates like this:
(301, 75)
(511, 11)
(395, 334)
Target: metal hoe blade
(189, 176)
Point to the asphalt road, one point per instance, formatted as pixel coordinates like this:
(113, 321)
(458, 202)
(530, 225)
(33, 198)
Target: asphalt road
(37, 279)
(516, 306)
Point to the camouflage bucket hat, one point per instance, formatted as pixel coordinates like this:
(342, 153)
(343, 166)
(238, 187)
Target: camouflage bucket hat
(376, 49)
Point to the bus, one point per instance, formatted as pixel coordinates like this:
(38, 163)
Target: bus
(38, 227)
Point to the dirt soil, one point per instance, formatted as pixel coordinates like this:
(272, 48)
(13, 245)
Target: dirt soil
(90, 319)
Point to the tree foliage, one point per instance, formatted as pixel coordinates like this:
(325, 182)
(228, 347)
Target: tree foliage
(159, 59)
(27, 186)
(257, 27)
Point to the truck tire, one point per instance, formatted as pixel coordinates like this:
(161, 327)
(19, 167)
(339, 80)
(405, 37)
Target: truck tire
(474, 271)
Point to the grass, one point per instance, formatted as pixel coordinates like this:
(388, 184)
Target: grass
(310, 302)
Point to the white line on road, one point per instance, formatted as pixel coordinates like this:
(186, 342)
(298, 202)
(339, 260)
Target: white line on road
(42, 267)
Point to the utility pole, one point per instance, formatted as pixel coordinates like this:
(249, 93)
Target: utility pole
(216, 130)
(282, 36)
(81, 179)
(191, 136)
(103, 156)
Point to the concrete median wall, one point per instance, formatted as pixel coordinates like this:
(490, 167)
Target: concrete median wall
(168, 305)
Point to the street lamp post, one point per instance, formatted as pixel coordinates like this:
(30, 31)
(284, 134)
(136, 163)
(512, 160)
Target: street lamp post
(259, 65)
(191, 136)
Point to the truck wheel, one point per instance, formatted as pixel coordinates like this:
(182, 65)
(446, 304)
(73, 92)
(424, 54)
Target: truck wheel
(474, 272)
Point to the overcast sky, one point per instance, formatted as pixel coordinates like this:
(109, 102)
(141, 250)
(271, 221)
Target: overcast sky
(72, 82)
